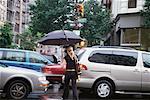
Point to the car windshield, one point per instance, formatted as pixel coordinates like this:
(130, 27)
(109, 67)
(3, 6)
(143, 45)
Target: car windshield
(52, 58)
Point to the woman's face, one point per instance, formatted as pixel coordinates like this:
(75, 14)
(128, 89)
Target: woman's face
(70, 50)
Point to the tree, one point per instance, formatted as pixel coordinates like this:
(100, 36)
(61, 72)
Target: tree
(48, 15)
(28, 41)
(5, 35)
(146, 14)
(98, 22)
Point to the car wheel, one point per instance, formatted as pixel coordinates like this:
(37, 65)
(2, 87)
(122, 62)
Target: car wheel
(104, 89)
(17, 90)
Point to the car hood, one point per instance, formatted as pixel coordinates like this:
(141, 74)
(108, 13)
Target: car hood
(22, 70)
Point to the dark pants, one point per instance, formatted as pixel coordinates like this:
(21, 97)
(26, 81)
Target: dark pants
(70, 76)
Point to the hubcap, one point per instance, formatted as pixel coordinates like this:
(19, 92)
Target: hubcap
(17, 90)
(103, 90)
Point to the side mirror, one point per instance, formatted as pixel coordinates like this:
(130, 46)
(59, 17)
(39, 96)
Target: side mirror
(45, 62)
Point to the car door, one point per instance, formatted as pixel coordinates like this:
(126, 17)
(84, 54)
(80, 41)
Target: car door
(14, 58)
(146, 72)
(36, 61)
(0, 77)
(1, 56)
(125, 70)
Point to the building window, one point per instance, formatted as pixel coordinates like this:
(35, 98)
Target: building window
(132, 3)
(107, 3)
(145, 37)
(130, 36)
(17, 27)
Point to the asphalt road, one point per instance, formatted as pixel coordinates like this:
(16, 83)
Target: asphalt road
(55, 93)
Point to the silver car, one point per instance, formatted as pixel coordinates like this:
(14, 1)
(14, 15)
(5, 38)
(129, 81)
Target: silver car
(110, 70)
(17, 82)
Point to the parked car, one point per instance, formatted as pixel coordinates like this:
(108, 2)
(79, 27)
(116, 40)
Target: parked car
(23, 58)
(17, 82)
(108, 70)
(53, 73)
(52, 58)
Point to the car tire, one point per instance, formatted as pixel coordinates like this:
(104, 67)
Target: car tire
(104, 89)
(17, 90)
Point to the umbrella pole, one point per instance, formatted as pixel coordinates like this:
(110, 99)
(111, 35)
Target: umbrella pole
(65, 35)
(62, 53)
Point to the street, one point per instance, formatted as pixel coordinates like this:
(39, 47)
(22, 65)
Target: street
(54, 94)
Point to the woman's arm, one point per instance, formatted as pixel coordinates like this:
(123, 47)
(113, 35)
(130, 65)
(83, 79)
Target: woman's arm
(63, 64)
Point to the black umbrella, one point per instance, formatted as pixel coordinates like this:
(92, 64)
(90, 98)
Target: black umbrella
(60, 37)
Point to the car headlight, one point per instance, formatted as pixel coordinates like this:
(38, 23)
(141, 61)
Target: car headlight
(42, 78)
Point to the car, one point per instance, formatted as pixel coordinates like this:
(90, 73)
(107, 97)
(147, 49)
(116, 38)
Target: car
(18, 83)
(52, 58)
(53, 73)
(23, 58)
(110, 70)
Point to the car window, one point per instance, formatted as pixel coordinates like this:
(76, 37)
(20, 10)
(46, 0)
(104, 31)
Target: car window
(100, 57)
(124, 58)
(15, 56)
(146, 60)
(2, 65)
(36, 58)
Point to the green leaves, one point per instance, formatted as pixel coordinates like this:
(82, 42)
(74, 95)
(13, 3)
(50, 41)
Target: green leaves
(98, 22)
(48, 15)
(5, 35)
(146, 14)
(28, 40)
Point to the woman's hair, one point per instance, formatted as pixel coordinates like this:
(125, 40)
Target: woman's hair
(66, 47)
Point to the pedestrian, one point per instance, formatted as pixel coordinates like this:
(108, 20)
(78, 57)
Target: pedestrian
(70, 60)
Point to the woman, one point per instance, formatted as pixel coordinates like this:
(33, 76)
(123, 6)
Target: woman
(70, 60)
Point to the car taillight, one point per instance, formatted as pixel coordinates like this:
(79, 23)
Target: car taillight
(83, 67)
(45, 70)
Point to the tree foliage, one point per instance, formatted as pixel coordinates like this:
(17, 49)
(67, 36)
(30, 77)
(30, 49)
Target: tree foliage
(48, 15)
(28, 41)
(146, 14)
(5, 35)
(98, 22)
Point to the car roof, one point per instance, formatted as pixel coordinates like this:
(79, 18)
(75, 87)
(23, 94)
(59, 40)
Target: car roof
(109, 48)
(16, 50)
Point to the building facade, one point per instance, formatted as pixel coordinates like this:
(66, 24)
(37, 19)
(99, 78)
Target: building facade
(3, 11)
(128, 30)
(18, 16)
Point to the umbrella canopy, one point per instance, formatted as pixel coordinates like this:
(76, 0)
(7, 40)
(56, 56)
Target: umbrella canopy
(60, 37)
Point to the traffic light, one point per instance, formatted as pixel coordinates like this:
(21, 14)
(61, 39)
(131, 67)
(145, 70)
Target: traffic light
(80, 9)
